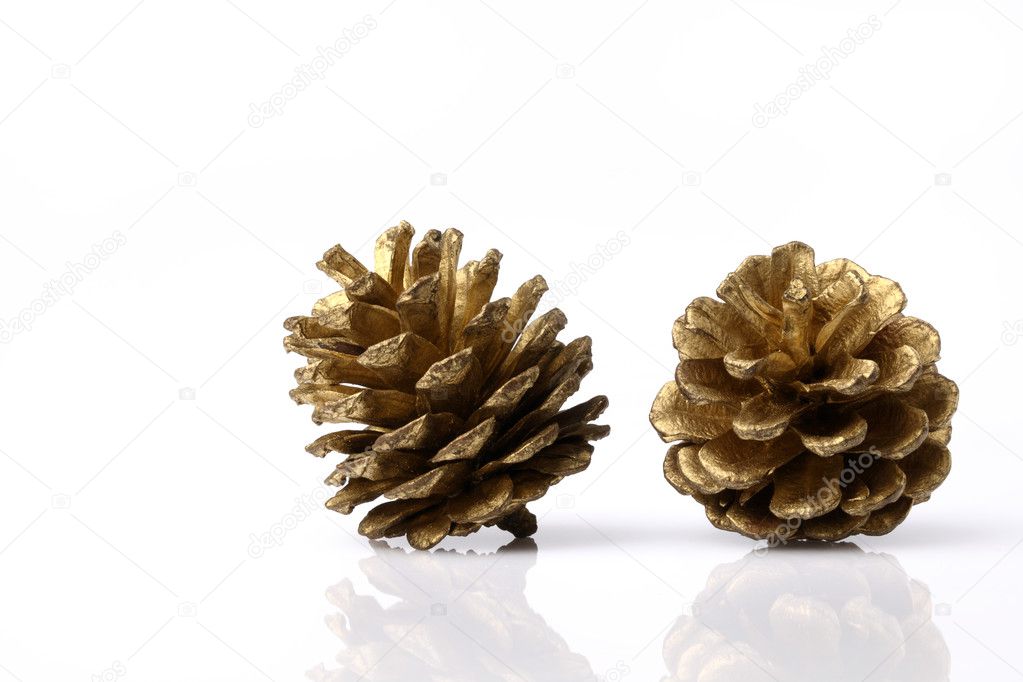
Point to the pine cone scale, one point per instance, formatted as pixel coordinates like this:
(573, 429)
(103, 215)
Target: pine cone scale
(482, 503)
(884, 520)
(829, 437)
(400, 360)
(926, 468)
(686, 459)
(899, 368)
(882, 484)
(675, 418)
(895, 429)
(344, 442)
(442, 480)
(767, 416)
(797, 490)
(468, 445)
(429, 431)
(738, 464)
(385, 408)
(833, 527)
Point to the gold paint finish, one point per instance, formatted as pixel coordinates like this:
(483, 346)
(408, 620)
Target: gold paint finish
(461, 397)
(805, 404)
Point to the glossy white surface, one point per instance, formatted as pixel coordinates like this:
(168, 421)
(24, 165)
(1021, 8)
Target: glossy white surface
(159, 519)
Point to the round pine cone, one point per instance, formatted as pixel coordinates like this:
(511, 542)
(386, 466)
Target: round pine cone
(461, 398)
(805, 405)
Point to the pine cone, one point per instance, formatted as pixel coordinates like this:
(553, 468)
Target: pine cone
(460, 397)
(805, 405)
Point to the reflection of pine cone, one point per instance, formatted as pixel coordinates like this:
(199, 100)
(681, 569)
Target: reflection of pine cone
(806, 404)
(461, 398)
(835, 614)
(457, 618)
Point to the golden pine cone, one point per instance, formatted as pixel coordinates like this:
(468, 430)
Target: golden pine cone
(805, 405)
(461, 398)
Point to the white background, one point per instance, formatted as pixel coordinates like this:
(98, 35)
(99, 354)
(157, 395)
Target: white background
(127, 509)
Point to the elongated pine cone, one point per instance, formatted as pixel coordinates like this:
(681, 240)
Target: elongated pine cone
(461, 398)
(805, 405)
